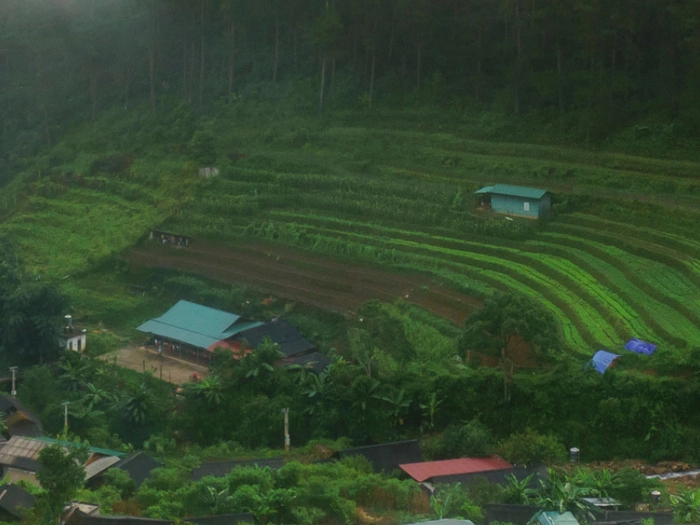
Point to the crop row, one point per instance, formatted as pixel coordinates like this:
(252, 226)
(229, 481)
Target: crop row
(449, 142)
(345, 184)
(431, 258)
(440, 158)
(619, 259)
(535, 269)
(497, 274)
(670, 315)
(680, 261)
(388, 256)
(680, 243)
(571, 275)
(378, 206)
(618, 311)
(637, 270)
(633, 300)
(657, 311)
(630, 305)
(625, 313)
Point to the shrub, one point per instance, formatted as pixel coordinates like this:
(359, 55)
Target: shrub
(532, 448)
(631, 486)
(452, 501)
(472, 439)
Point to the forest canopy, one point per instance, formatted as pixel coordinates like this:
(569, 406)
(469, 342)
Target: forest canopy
(593, 67)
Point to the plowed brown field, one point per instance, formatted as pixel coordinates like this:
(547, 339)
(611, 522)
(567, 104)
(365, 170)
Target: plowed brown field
(310, 279)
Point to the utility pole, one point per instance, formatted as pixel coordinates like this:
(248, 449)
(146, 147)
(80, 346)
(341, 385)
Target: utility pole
(13, 369)
(65, 418)
(285, 411)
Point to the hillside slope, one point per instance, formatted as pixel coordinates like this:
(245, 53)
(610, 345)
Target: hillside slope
(618, 258)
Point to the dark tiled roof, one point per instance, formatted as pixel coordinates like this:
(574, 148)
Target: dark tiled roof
(507, 513)
(20, 421)
(223, 519)
(220, 469)
(32, 465)
(15, 499)
(290, 341)
(386, 457)
(7, 404)
(79, 517)
(138, 465)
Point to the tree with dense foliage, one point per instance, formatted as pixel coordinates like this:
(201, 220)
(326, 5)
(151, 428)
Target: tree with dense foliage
(30, 312)
(61, 475)
(506, 317)
(473, 439)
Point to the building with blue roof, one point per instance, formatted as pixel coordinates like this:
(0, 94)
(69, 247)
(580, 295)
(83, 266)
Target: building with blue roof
(195, 328)
(518, 201)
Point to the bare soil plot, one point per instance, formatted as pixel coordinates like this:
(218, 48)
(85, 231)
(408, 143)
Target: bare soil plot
(144, 359)
(301, 277)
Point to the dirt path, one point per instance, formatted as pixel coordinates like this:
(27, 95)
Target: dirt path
(168, 368)
(311, 279)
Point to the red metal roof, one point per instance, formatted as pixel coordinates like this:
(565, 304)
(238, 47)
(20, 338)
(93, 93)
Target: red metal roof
(452, 467)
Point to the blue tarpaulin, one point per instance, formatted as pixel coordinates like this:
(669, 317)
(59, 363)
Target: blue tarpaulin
(602, 359)
(639, 346)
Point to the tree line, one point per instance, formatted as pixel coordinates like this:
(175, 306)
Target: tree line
(591, 66)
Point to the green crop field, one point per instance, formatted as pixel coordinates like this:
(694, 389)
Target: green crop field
(618, 258)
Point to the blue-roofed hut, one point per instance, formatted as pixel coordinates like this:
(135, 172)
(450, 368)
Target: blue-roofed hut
(602, 360)
(519, 201)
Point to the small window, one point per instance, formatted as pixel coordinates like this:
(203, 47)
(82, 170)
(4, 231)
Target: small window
(526, 206)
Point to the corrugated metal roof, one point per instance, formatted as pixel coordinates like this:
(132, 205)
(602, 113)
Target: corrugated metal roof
(552, 517)
(199, 318)
(21, 452)
(100, 465)
(94, 450)
(515, 191)
(196, 325)
(175, 333)
(451, 467)
(445, 521)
